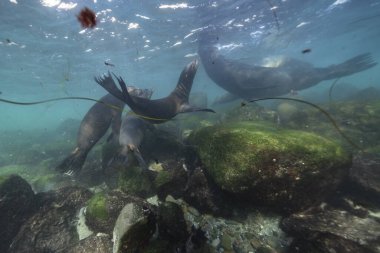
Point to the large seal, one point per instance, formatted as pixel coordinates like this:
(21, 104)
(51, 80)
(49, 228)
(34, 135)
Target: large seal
(94, 125)
(252, 81)
(160, 110)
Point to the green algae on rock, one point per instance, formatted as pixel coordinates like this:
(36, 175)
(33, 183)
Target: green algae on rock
(96, 207)
(283, 168)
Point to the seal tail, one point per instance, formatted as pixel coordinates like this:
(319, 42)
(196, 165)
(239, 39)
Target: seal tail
(183, 88)
(72, 163)
(351, 66)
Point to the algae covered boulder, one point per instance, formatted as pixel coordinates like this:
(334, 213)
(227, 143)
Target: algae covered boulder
(16, 205)
(286, 169)
(104, 207)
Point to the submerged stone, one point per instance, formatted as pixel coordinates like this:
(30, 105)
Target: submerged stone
(104, 208)
(286, 169)
(16, 205)
(326, 229)
(133, 228)
(53, 227)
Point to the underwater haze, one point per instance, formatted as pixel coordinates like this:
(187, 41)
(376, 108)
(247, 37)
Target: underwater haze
(252, 126)
(47, 54)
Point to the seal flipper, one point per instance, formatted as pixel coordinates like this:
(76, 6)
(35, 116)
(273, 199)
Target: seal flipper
(351, 66)
(127, 98)
(109, 85)
(183, 88)
(185, 82)
(73, 162)
(189, 108)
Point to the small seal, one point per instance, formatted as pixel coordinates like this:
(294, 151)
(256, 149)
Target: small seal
(159, 110)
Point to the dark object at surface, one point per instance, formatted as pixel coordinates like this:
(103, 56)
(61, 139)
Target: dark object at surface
(87, 18)
(306, 50)
(109, 64)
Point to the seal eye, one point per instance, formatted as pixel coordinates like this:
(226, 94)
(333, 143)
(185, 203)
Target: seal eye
(87, 18)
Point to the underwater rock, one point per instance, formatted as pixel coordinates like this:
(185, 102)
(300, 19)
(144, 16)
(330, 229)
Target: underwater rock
(171, 180)
(93, 244)
(245, 231)
(333, 230)
(136, 181)
(366, 94)
(250, 112)
(286, 169)
(171, 223)
(365, 173)
(182, 181)
(104, 208)
(16, 206)
(133, 228)
(53, 227)
(326, 244)
(358, 120)
(204, 195)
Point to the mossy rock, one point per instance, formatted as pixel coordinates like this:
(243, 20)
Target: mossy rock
(96, 207)
(162, 178)
(285, 168)
(133, 180)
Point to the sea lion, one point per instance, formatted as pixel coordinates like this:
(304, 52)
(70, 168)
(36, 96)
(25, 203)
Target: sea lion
(252, 81)
(93, 127)
(159, 110)
(132, 133)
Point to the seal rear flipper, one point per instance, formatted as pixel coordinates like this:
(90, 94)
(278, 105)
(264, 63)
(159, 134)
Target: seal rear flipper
(189, 108)
(126, 96)
(109, 85)
(72, 163)
(351, 66)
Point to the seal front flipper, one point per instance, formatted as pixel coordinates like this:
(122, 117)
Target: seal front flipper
(183, 88)
(189, 108)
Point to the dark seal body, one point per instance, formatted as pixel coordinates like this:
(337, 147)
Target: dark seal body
(132, 132)
(93, 127)
(252, 81)
(159, 110)
(105, 113)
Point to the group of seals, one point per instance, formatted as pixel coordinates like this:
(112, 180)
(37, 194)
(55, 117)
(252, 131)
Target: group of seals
(252, 81)
(106, 112)
(239, 79)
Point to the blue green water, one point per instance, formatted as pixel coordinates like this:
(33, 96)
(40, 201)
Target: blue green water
(45, 53)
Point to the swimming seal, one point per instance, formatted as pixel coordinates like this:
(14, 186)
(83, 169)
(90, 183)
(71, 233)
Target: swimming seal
(160, 110)
(251, 81)
(132, 132)
(94, 125)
